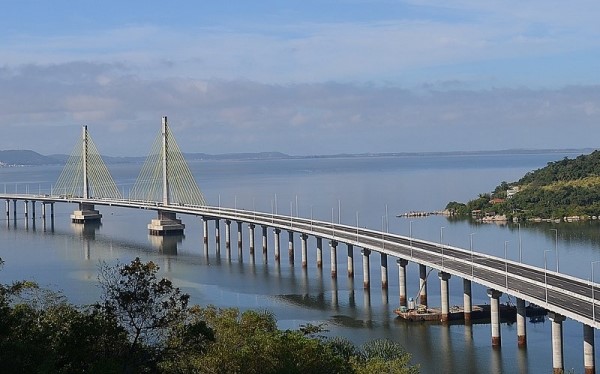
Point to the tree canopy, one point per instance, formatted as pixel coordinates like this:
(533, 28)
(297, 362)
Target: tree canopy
(144, 324)
(565, 188)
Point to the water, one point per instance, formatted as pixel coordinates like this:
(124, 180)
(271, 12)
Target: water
(349, 190)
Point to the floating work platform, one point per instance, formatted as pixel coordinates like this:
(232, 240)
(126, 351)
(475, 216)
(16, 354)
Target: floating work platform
(479, 313)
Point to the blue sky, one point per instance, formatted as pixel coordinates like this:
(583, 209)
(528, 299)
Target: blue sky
(301, 77)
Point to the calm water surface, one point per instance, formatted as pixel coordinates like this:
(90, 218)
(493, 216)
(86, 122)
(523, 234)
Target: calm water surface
(66, 257)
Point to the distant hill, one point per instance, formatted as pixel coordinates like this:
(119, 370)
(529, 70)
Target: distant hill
(31, 158)
(25, 157)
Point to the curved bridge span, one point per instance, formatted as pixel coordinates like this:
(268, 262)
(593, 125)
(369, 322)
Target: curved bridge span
(563, 294)
(166, 185)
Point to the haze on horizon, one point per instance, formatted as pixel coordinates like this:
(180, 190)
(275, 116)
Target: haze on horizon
(301, 77)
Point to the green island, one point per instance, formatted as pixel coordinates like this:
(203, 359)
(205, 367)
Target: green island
(566, 190)
(144, 324)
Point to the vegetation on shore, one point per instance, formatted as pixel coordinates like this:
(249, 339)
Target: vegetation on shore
(145, 325)
(565, 188)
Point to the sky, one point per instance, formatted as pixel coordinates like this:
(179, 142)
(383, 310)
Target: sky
(300, 76)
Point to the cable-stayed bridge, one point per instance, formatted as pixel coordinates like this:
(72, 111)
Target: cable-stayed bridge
(166, 185)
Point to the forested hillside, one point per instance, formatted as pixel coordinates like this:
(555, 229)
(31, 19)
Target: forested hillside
(565, 189)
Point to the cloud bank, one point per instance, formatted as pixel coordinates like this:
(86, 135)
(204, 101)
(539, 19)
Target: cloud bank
(219, 116)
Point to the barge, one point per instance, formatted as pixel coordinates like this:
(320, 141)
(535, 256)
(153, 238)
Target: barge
(479, 313)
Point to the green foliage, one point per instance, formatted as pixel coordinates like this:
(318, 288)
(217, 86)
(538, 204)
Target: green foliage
(146, 306)
(40, 332)
(568, 187)
(383, 356)
(249, 342)
(144, 325)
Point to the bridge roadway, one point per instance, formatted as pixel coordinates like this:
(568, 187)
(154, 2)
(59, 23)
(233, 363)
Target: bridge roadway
(560, 293)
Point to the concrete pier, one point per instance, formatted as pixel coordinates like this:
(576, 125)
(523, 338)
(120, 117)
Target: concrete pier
(33, 209)
(291, 246)
(303, 239)
(350, 260)
(402, 263)
(239, 240)
(467, 300)
(166, 224)
(218, 235)
(521, 323)
(588, 350)
(366, 268)
(319, 253)
(7, 208)
(14, 209)
(333, 245)
(26, 206)
(228, 238)
(264, 239)
(495, 316)
(205, 233)
(444, 295)
(558, 365)
(384, 271)
(277, 244)
(251, 238)
(422, 284)
(44, 210)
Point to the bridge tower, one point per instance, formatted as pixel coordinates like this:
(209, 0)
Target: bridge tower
(166, 180)
(86, 177)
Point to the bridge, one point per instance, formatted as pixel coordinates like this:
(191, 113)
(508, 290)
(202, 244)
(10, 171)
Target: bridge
(166, 185)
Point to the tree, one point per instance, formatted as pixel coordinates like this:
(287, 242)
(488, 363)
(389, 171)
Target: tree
(41, 332)
(383, 356)
(148, 308)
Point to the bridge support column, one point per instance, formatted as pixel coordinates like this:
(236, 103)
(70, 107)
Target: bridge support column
(402, 280)
(521, 323)
(366, 269)
(444, 295)
(291, 246)
(7, 209)
(276, 242)
(33, 209)
(26, 204)
(350, 260)
(495, 316)
(205, 234)
(467, 301)
(303, 238)
(588, 350)
(166, 223)
(239, 240)
(228, 238)
(251, 238)
(14, 209)
(51, 211)
(218, 235)
(384, 271)
(423, 285)
(333, 244)
(319, 253)
(557, 343)
(264, 243)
